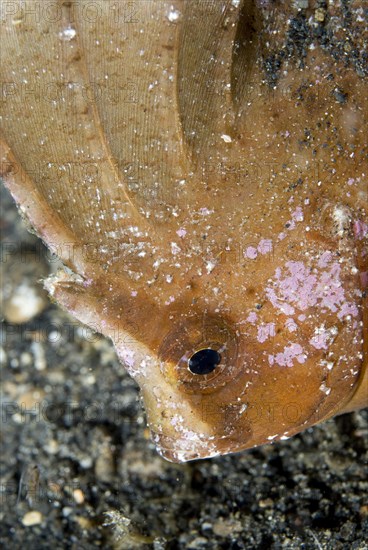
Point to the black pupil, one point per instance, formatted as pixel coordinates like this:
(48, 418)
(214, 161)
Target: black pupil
(204, 361)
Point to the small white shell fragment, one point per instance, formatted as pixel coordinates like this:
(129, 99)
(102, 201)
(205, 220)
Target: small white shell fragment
(32, 518)
(24, 304)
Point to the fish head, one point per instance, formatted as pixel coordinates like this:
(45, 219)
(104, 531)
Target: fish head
(256, 362)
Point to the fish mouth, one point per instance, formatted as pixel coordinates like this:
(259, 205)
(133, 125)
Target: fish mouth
(181, 450)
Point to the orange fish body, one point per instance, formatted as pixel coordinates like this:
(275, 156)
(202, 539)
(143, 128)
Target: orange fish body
(200, 168)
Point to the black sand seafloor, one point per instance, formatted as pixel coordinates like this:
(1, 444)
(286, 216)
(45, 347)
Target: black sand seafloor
(78, 469)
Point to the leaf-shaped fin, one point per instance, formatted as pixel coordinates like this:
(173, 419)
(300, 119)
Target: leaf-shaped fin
(245, 52)
(204, 74)
(48, 110)
(131, 60)
(47, 223)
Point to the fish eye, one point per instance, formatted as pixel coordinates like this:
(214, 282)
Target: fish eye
(200, 354)
(204, 361)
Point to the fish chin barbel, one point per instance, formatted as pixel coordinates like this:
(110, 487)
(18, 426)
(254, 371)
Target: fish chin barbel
(200, 169)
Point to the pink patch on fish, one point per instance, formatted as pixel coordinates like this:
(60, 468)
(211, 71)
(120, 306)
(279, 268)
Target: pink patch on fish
(251, 253)
(265, 246)
(319, 341)
(284, 308)
(303, 288)
(347, 309)
(291, 325)
(252, 317)
(265, 332)
(127, 356)
(325, 259)
(297, 215)
(360, 229)
(286, 358)
(181, 232)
